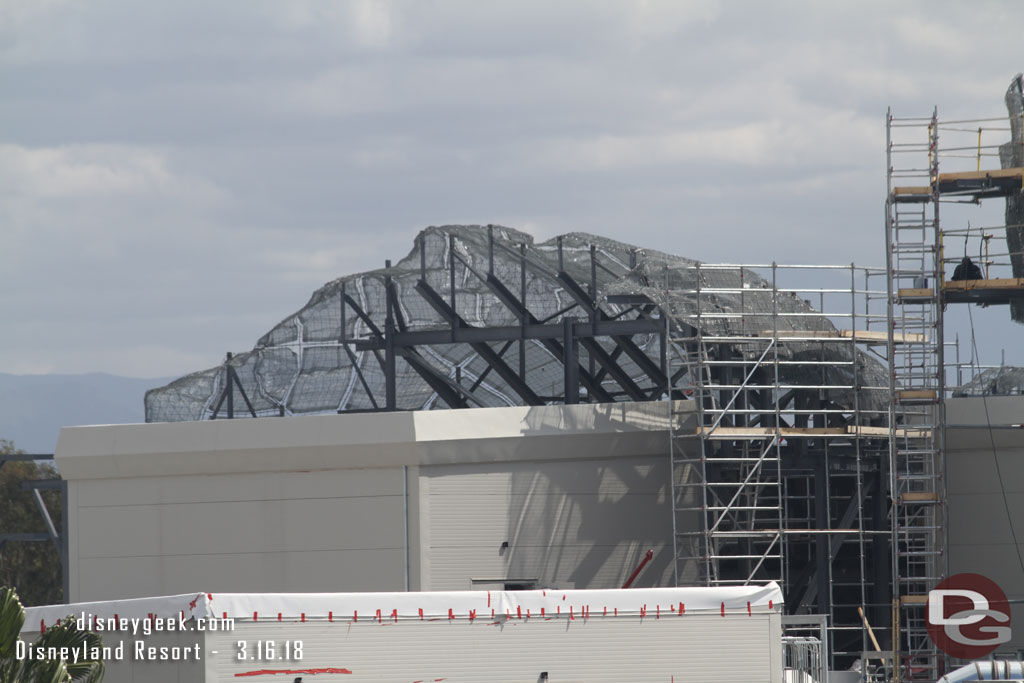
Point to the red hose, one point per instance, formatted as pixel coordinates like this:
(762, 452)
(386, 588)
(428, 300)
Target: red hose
(639, 568)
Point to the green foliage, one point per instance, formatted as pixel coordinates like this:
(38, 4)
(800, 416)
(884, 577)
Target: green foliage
(33, 567)
(61, 635)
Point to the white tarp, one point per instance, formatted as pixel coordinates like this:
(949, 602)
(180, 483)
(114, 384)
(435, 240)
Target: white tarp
(648, 602)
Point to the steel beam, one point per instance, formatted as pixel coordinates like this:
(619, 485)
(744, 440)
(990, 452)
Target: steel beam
(486, 352)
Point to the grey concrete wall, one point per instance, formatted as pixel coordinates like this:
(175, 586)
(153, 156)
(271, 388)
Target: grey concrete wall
(318, 504)
(984, 516)
(568, 524)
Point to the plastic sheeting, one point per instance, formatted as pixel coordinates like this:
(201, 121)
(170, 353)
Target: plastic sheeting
(653, 602)
(301, 367)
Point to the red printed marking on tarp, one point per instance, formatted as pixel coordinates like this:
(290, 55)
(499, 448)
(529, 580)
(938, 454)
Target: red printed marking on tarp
(279, 616)
(292, 672)
(748, 608)
(42, 626)
(255, 616)
(394, 615)
(302, 617)
(769, 604)
(682, 609)
(378, 617)
(488, 598)
(421, 614)
(330, 616)
(519, 612)
(723, 609)
(451, 615)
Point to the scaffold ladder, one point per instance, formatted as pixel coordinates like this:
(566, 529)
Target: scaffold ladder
(916, 385)
(727, 494)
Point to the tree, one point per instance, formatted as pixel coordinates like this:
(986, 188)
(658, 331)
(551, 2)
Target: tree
(65, 634)
(33, 567)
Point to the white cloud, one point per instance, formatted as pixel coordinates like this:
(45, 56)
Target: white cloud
(95, 172)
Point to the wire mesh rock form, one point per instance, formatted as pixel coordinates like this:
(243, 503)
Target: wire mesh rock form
(1006, 380)
(1011, 155)
(304, 364)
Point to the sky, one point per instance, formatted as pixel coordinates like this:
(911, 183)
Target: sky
(178, 176)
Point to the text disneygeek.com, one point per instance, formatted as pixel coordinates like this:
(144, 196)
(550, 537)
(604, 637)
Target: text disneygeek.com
(136, 648)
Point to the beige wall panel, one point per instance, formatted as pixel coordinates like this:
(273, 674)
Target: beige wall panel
(106, 578)
(290, 572)
(243, 527)
(561, 566)
(581, 524)
(240, 486)
(975, 471)
(980, 518)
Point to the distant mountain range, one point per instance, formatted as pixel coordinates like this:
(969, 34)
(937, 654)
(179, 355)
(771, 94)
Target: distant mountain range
(33, 408)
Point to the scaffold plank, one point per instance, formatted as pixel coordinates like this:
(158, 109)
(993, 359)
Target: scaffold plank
(911, 194)
(866, 336)
(995, 174)
(912, 293)
(919, 497)
(917, 395)
(909, 433)
(763, 432)
(913, 599)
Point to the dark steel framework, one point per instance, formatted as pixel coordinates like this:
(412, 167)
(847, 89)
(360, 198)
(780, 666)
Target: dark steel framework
(589, 346)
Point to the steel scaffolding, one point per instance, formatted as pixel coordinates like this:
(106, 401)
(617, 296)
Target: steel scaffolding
(779, 437)
(919, 291)
(916, 386)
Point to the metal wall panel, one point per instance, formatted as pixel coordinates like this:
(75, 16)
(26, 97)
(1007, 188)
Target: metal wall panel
(578, 524)
(693, 648)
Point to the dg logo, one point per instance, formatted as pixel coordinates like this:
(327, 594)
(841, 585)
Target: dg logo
(968, 616)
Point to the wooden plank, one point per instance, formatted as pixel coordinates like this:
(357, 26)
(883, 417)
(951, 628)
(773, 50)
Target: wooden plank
(914, 599)
(917, 395)
(915, 294)
(919, 497)
(920, 191)
(767, 432)
(995, 283)
(863, 430)
(866, 336)
(1016, 172)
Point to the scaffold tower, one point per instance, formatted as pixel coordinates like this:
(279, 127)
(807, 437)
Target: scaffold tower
(779, 437)
(916, 387)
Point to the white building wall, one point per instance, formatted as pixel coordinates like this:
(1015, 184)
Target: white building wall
(981, 538)
(254, 532)
(581, 523)
(334, 503)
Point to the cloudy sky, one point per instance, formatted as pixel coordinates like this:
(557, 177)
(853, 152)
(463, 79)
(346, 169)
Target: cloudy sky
(177, 176)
